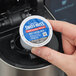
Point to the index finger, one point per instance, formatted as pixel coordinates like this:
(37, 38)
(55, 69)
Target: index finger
(65, 28)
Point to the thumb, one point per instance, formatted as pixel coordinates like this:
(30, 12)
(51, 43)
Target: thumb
(56, 58)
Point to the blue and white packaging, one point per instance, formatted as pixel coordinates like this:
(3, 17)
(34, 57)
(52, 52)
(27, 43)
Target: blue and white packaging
(35, 31)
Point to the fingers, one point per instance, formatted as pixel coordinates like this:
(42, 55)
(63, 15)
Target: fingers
(52, 56)
(68, 45)
(65, 28)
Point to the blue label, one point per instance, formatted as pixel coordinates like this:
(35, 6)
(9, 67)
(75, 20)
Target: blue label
(35, 29)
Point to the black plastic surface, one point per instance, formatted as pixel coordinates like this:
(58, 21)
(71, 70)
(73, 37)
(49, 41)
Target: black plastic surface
(8, 4)
(13, 57)
(10, 49)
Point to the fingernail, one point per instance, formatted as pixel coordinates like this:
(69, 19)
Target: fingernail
(36, 51)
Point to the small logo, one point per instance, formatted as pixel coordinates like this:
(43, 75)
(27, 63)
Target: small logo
(45, 34)
(64, 2)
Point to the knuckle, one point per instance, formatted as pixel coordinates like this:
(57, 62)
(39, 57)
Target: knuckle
(49, 57)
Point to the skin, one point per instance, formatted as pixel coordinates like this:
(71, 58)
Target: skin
(66, 61)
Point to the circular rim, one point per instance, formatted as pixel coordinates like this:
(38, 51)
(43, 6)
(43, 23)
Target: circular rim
(34, 44)
(49, 65)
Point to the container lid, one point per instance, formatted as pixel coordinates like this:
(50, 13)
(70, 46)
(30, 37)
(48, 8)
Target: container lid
(36, 31)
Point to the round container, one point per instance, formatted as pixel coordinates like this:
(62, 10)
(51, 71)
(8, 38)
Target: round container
(35, 31)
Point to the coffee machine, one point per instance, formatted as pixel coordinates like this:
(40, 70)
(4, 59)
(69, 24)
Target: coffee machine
(14, 59)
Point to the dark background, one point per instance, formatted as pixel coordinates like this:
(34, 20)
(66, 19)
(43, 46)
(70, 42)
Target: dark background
(64, 10)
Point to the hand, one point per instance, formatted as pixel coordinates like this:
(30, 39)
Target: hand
(66, 61)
